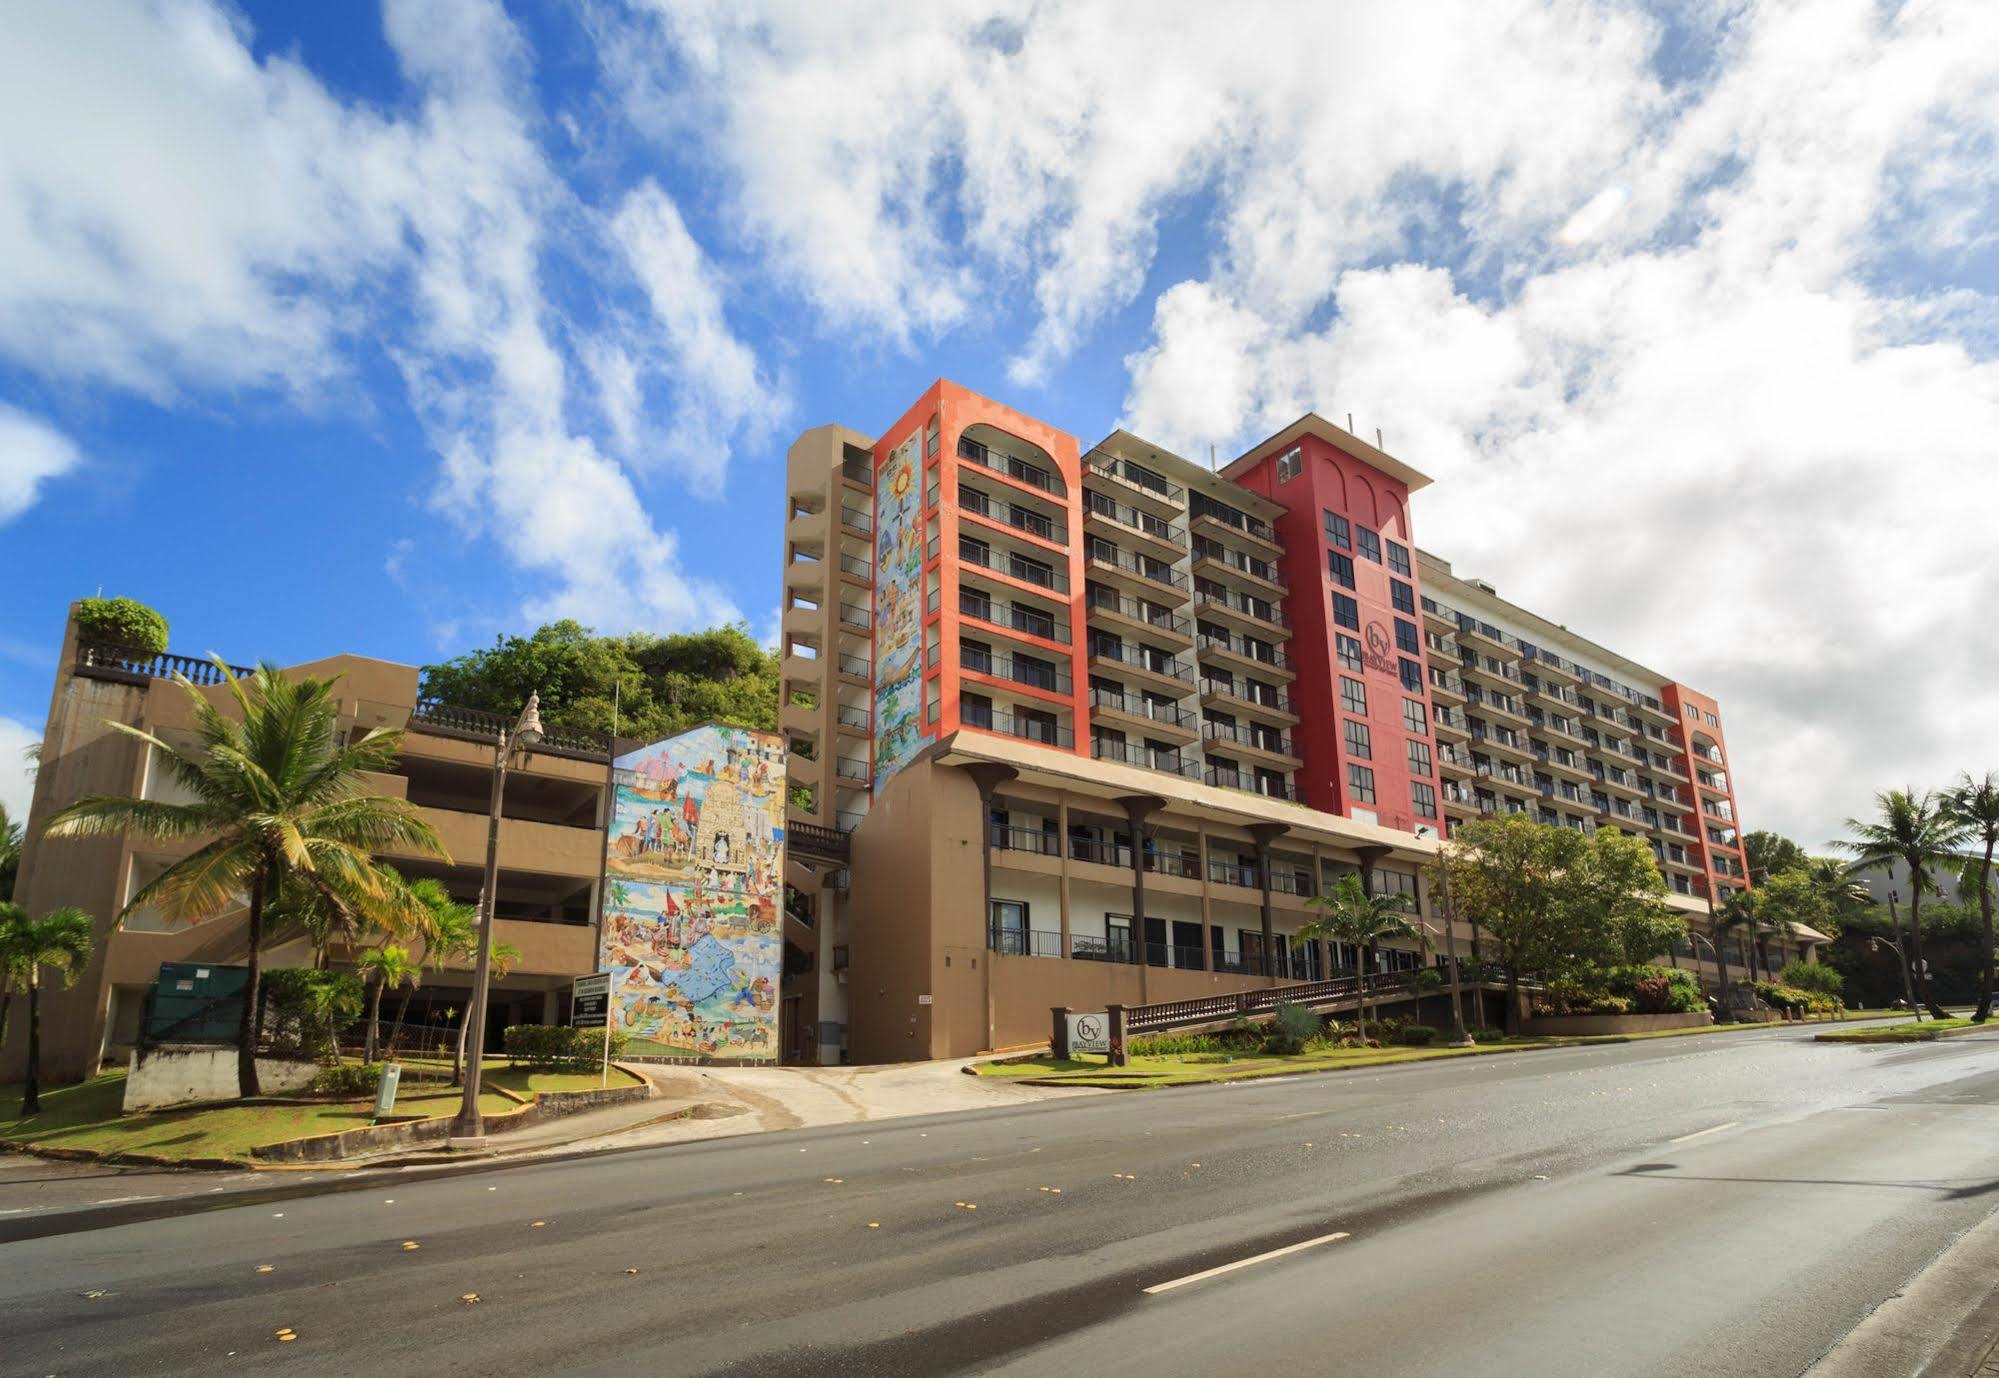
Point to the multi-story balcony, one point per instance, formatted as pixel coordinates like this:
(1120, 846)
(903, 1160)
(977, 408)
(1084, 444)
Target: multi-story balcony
(1445, 687)
(853, 720)
(1551, 668)
(1437, 618)
(1618, 781)
(1209, 517)
(1135, 484)
(1503, 773)
(1547, 693)
(856, 570)
(1255, 739)
(1502, 739)
(1014, 620)
(1015, 721)
(1562, 761)
(990, 560)
(1109, 609)
(1133, 527)
(1214, 560)
(987, 510)
(1240, 696)
(1491, 704)
(1046, 675)
(1137, 713)
(855, 669)
(1453, 762)
(1019, 470)
(1242, 653)
(1490, 670)
(1136, 663)
(1449, 724)
(1228, 775)
(1138, 574)
(1255, 614)
(1129, 753)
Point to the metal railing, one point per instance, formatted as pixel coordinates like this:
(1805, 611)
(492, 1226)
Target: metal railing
(1103, 553)
(1105, 647)
(1225, 778)
(1023, 942)
(1016, 839)
(1244, 735)
(856, 665)
(1201, 505)
(1242, 646)
(1138, 706)
(1126, 753)
(1033, 475)
(1012, 566)
(1038, 624)
(1241, 1004)
(1221, 688)
(1158, 528)
(1261, 609)
(1013, 515)
(474, 724)
(859, 568)
(1027, 729)
(1102, 600)
(1034, 674)
(856, 518)
(1205, 549)
(1124, 471)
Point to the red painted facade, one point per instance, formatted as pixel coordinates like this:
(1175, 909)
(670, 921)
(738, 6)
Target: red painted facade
(1699, 731)
(1330, 480)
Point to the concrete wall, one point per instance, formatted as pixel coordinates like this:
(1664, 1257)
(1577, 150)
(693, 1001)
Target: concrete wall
(186, 1073)
(1588, 1025)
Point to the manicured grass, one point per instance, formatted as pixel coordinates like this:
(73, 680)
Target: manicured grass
(1913, 1032)
(86, 1116)
(525, 1083)
(1192, 1069)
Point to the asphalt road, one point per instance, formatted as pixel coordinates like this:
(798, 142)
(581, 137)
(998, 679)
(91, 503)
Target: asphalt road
(1729, 1205)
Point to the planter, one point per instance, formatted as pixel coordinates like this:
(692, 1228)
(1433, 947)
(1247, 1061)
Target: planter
(190, 1073)
(1591, 1025)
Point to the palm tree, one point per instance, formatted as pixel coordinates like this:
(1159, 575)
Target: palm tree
(382, 968)
(1737, 915)
(62, 939)
(278, 798)
(1837, 885)
(1974, 806)
(1366, 921)
(1918, 831)
(10, 853)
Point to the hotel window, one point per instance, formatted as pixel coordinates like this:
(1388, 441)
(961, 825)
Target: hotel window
(1289, 465)
(1402, 596)
(1346, 612)
(1353, 696)
(1339, 531)
(1009, 927)
(1360, 784)
(1370, 544)
(1360, 742)
(1349, 648)
(1400, 884)
(1398, 558)
(930, 439)
(1413, 717)
(1423, 799)
(1419, 757)
(1341, 566)
(1406, 638)
(1412, 675)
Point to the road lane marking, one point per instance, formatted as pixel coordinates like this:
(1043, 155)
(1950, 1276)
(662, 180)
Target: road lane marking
(1702, 1133)
(1207, 1273)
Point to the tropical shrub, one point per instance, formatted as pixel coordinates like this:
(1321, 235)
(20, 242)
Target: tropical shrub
(124, 622)
(305, 1010)
(558, 1048)
(1816, 977)
(349, 1079)
(1487, 1035)
(1290, 1029)
(1416, 1035)
(1656, 989)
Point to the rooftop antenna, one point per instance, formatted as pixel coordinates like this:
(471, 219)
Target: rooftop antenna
(1211, 458)
(1349, 423)
(1379, 444)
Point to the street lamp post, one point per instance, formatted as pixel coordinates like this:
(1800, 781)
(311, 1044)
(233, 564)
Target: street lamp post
(469, 1131)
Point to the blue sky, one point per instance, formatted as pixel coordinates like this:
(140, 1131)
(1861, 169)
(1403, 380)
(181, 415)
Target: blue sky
(390, 330)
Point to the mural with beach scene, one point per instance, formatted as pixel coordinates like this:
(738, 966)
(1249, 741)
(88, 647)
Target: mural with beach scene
(693, 875)
(898, 608)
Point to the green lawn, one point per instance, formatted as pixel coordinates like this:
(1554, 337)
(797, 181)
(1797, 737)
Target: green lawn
(1914, 1032)
(524, 1083)
(1190, 1069)
(86, 1116)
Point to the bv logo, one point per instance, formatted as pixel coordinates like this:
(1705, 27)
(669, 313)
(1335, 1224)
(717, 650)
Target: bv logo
(1380, 653)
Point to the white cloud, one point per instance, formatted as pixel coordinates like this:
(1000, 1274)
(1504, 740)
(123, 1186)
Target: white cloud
(31, 453)
(179, 217)
(17, 774)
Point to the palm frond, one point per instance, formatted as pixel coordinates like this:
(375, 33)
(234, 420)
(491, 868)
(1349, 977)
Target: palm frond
(200, 885)
(103, 815)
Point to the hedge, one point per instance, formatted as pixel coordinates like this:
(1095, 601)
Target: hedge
(559, 1048)
(122, 622)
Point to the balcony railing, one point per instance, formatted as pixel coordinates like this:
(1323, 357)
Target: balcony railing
(1105, 554)
(857, 666)
(1138, 706)
(1201, 505)
(1024, 942)
(1018, 619)
(1110, 509)
(854, 615)
(1277, 703)
(126, 664)
(1103, 600)
(1126, 472)
(858, 469)
(1037, 840)
(1254, 784)
(1242, 646)
(1205, 549)
(1013, 515)
(473, 724)
(1033, 475)
(851, 768)
(1243, 735)
(850, 716)
(1261, 609)
(1027, 729)
(1012, 566)
(1150, 758)
(1018, 669)
(1234, 873)
(1111, 648)
(859, 568)
(856, 518)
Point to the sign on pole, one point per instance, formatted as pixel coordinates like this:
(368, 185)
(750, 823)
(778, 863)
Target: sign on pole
(385, 1094)
(590, 1008)
(1089, 1033)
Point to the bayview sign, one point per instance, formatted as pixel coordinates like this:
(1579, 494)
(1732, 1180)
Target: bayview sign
(1090, 1033)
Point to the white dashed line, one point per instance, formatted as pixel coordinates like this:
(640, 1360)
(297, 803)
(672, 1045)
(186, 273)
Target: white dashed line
(1207, 1273)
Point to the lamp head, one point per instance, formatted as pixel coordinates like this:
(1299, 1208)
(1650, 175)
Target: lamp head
(528, 730)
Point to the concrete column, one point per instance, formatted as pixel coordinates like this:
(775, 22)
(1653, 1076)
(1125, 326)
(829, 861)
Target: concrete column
(1062, 891)
(1263, 834)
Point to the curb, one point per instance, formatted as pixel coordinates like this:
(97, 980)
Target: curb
(1877, 1038)
(1939, 1324)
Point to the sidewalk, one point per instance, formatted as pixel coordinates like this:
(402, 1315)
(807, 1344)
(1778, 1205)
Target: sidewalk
(1943, 1324)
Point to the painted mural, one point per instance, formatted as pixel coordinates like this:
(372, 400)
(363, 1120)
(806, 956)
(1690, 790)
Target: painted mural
(898, 608)
(694, 873)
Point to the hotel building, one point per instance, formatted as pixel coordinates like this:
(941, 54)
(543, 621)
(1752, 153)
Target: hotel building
(1040, 689)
